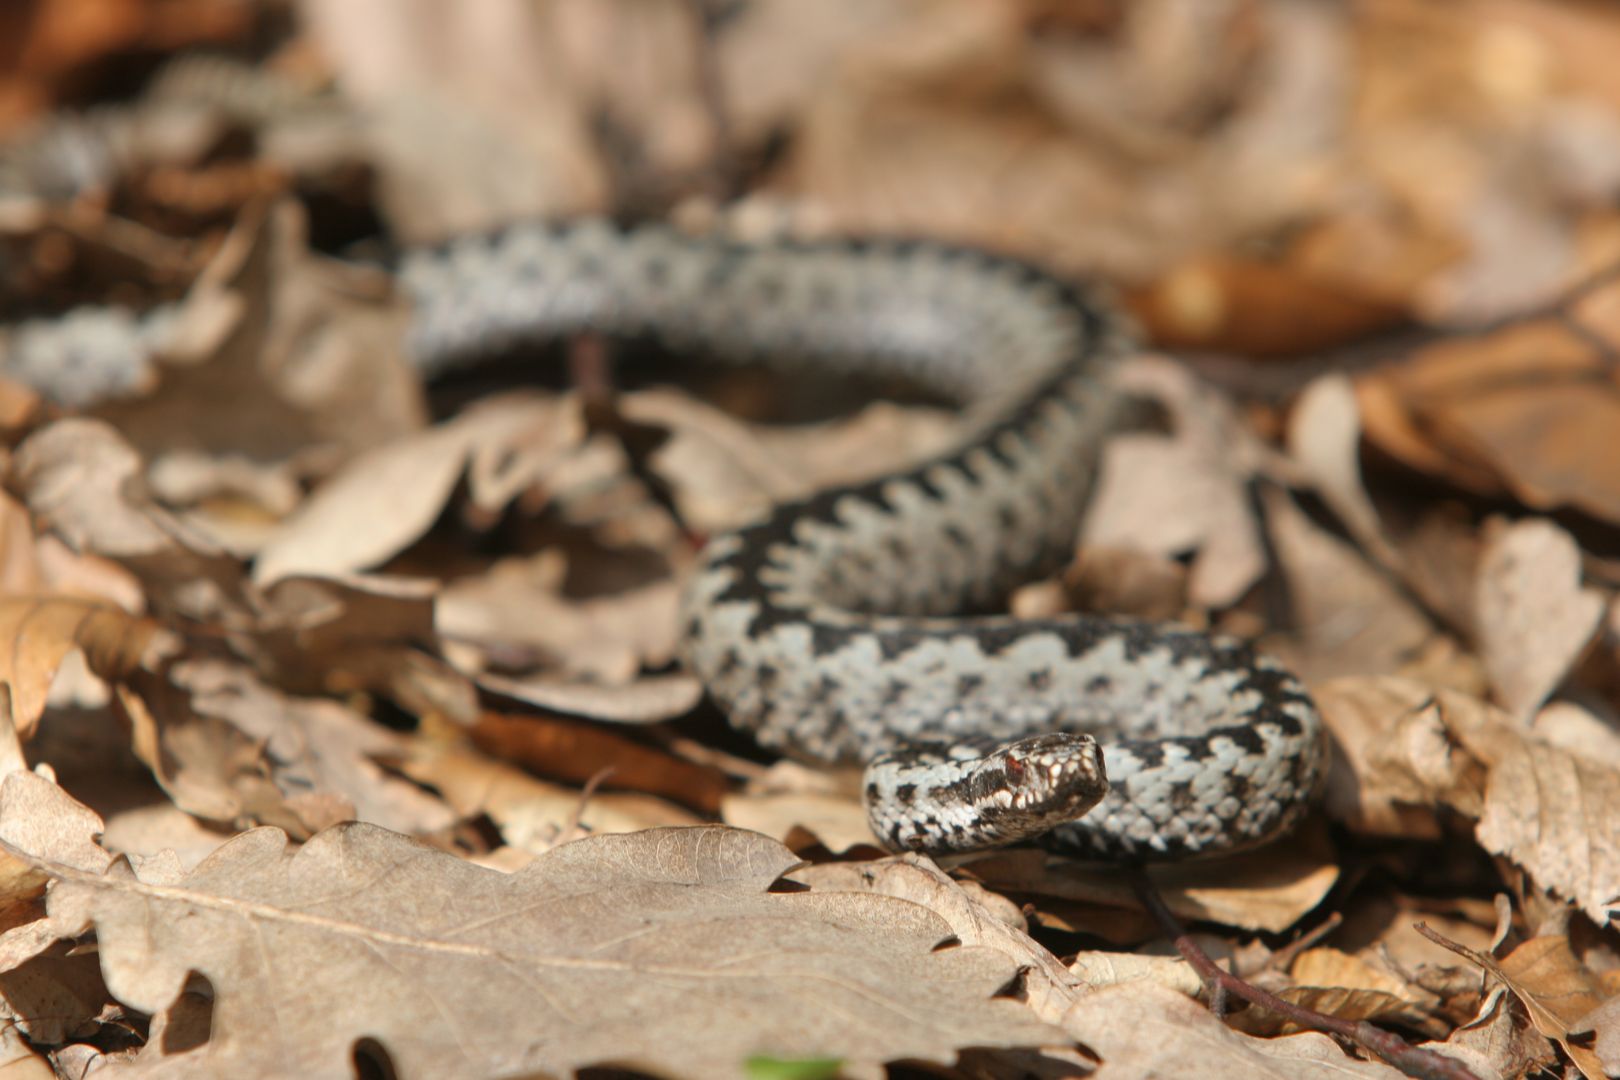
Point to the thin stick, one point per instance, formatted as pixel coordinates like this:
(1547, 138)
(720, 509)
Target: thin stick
(1279, 960)
(1411, 1060)
(590, 367)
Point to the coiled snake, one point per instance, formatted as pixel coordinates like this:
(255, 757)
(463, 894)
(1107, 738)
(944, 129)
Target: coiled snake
(828, 628)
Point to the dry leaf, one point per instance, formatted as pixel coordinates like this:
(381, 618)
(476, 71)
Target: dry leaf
(1098, 969)
(358, 633)
(40, 631)
(530, 814)
(385, 499)
(275, 350)
(1266, 890)
(648, 700)
(573, 751)
(315, 747)
(1142, 1029)
(1232, 305)
(1604, 1024)
(1535, 619)
(519, 603)
(41, 818)
(1517, 411)
(1346, 986)
(1049, 988)
(837, 822)
(20, 569)
(1170, 495)
(1324, 439)
(156, 833)
(1349, 617)
(661, 950)
(1578, 731)
(1545, 976)
(726, 472)
(1394, 763)
(1552, 812)
(1331, 967)
(82, 479)
(474, 121)
(1119, 581)
(977, 122)
(1500, 1040)
(205, 765)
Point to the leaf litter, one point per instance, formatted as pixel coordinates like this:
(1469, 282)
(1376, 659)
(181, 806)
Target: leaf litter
(298, 651)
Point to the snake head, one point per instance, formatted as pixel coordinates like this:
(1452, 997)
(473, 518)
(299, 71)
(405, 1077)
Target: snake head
(973, 794)
(1028, 787)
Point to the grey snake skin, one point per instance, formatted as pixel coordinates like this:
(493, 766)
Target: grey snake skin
(830, 629)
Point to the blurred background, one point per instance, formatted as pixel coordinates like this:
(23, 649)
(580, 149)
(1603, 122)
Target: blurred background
(1262, 176)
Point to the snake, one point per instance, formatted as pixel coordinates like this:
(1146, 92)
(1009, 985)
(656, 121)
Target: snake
(863, 625)
(860, 625)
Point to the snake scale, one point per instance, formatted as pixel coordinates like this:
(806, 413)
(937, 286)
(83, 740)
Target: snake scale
(830, 628)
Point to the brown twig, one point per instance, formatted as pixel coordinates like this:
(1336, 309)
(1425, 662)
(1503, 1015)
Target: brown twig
(590, 368)
(1283, 957)
(1411, 1060)
(571, 829)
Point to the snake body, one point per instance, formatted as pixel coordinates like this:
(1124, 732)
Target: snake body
(830, 629)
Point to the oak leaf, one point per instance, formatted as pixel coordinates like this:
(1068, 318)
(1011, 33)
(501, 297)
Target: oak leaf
(660, 950)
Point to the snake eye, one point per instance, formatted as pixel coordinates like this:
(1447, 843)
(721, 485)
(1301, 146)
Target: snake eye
(1015, 768)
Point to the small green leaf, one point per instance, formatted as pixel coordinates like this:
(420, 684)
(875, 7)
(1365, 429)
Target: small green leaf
(766, 1068)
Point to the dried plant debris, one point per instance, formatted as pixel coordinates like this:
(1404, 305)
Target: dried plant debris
(344, 713)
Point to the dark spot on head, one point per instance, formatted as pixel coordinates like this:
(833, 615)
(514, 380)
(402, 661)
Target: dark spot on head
(904, 794)
(1040, 679)
(966, 685)
(1100, 684)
